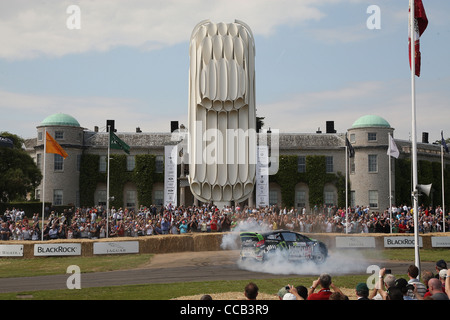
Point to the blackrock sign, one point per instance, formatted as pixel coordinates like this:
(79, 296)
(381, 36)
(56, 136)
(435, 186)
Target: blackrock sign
(401, 242)
(57, 249)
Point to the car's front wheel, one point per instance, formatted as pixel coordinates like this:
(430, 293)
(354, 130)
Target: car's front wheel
(319, 258)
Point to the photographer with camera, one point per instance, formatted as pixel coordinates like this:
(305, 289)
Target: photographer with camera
(323, 294)
(385, 280)
(290, 292)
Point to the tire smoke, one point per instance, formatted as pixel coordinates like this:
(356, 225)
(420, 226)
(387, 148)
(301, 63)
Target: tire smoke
(344, 261)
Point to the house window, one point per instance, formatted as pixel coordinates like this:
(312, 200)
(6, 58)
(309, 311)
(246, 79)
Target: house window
(102, 164)
(300, 199)
(59, 135)
(57, 197)
(373, 198)
(131, 198)
(352, 165)
(130, 163)
(372, 136)
(159, 163)
(352, 199)
(58, 163)
(39, 160)
(273, 197)
(352, 138)
(329, 198)
(301, 164)
(101, 194)
(329, 164)
(159, 197)
(373, 166)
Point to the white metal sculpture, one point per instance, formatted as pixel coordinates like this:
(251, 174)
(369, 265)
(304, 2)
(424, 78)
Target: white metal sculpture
(222, 113)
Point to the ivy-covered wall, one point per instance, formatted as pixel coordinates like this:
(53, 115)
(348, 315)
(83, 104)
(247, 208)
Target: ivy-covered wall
(143, 176)
(315, 176)
(427, 172)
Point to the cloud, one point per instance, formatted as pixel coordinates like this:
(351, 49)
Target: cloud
(302, 112)
(31, 29)
(89, 111)
(306, 112)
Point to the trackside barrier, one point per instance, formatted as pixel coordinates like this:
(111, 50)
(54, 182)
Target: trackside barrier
(196, 242)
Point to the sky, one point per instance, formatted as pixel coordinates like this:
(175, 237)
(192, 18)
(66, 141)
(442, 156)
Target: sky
(128, 60)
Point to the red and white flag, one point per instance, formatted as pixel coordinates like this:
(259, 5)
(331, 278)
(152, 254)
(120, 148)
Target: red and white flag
(420, 24)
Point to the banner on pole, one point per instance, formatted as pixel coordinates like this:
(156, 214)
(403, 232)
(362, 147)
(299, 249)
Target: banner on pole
(170, 176)
(262, 177)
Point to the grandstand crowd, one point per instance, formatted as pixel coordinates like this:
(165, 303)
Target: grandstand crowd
(90, 223)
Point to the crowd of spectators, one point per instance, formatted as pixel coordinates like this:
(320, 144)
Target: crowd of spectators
(90, 223)
(388, 287)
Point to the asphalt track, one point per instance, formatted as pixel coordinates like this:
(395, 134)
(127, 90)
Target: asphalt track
(180, 267)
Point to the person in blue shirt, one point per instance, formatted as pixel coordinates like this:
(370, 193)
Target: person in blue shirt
(183, 227)
(165, 225)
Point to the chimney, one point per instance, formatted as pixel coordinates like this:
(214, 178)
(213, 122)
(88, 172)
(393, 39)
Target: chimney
(424, 137)
(330, 127)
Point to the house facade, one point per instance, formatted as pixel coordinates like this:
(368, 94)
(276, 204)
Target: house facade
(311, 166)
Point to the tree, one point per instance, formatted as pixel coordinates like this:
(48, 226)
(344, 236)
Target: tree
(19, 173)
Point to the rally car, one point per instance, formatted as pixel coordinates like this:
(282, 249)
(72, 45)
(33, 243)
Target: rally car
(291, 245)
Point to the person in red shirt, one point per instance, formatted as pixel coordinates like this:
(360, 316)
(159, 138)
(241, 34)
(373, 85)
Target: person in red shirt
(213, 224)
(323, 294)
(402, 227)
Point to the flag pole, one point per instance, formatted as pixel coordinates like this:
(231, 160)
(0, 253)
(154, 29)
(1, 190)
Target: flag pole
(346, 187)
(107, 182)
(414, 136)
(390, 181)
(43, 184)
(442, 178)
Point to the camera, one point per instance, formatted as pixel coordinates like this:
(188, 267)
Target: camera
(388, 271)
(287, 287)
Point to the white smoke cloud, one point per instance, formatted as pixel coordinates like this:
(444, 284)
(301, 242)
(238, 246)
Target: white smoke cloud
(338, 262)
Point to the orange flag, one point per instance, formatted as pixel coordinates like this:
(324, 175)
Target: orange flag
(53, 147)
